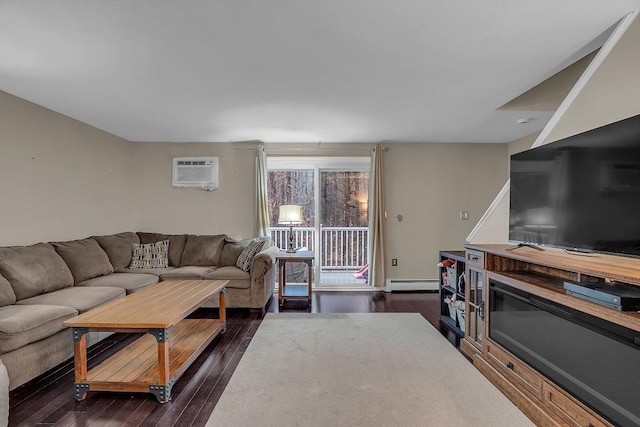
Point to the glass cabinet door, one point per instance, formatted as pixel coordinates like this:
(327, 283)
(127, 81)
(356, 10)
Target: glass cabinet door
(472, 324)
(475, 311)
(473, 279)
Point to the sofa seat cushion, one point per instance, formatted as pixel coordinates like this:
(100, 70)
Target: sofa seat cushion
(203, 250)
(187, 273)
(238, 279)
(130, 282)
(155, 271)
(82, 298)
(176, 244)
(21, 325)
(85, 258)
(34, 270)
(7, 296)
(118, 247)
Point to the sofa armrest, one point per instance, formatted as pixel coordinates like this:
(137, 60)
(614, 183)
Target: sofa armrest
(4, 396)
(263, 276)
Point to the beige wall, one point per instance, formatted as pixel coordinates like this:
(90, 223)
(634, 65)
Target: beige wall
(426, 183)
(521, 144)
(60, 179)
(160, 207)
(492, 229)
(429, 184)
(548, 95)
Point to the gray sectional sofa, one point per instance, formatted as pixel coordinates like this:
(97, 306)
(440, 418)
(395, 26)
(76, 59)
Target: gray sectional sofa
(43, 285)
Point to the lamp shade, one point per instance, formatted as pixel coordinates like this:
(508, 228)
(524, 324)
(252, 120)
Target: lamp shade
(290, 214)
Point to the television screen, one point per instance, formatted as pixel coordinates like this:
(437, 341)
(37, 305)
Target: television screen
(581, 192)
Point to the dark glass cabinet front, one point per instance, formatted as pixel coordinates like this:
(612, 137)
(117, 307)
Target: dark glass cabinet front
(595, 360)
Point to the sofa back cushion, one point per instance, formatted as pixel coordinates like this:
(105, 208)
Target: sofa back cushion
(176, 244)
(85, 258)
(232, 250)
(203, 250)
(7, 296)
(34, 270)
(118, 247)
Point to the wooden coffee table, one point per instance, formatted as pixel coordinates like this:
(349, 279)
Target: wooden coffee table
(171, 343)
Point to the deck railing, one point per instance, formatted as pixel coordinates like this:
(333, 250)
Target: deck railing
(341, 248)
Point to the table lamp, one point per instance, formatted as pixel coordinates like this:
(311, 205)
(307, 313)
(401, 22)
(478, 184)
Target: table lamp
(290, 215)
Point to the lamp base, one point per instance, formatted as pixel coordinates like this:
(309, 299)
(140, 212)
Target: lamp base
(290, 250)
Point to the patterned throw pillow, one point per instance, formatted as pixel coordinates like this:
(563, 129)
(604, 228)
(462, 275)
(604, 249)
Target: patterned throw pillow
(246, 257)
(150, 255)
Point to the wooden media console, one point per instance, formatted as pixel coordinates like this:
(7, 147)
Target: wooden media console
(545, 398)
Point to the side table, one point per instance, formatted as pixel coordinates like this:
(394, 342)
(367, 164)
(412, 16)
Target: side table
(283, 258)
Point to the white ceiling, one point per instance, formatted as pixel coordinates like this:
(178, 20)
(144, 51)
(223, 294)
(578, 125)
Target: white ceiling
(296, 71)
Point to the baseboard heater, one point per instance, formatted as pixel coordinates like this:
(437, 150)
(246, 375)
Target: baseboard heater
(411, 285)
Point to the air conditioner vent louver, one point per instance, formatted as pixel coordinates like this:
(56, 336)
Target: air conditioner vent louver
(201, 172)
(192, 163)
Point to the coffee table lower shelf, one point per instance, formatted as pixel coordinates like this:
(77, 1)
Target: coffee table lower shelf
(136, 369)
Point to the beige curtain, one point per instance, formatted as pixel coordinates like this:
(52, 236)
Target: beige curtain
(262, 217)
(377, 274)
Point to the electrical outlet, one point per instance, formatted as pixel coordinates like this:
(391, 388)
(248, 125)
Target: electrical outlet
(394, 262)
(464, 215)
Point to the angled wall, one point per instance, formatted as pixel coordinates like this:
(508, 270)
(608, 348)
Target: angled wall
(608, 91)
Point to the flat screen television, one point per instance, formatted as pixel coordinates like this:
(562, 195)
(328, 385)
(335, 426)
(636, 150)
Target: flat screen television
(580, 193)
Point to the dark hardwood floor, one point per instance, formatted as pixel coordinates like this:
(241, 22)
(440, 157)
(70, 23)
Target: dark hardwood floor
(48, 400)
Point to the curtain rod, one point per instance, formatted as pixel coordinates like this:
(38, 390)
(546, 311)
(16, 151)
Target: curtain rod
(308, 149)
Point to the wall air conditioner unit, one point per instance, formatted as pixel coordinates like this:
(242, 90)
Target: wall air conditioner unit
(200, 172)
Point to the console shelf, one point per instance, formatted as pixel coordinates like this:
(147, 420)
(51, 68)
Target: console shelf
(552, 289)
(558, 263)
(450, 320)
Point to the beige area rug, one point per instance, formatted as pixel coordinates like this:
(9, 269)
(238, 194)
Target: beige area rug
(369, 369)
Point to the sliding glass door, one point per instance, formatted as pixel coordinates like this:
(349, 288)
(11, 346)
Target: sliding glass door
(334, 195)
(343, 227)
(287, 187)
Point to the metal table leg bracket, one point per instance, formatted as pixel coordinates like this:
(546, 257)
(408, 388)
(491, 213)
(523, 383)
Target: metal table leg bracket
(162, 392)
(78, 333)
(161, 334)
(80, 391)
